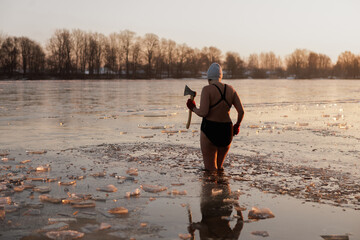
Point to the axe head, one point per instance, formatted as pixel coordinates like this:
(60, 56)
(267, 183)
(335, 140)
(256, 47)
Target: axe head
(188, 91)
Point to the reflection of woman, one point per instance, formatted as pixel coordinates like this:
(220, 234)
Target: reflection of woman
(215, 211)
(216, 128)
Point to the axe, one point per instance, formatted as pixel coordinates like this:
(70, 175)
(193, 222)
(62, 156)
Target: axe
(192, 94)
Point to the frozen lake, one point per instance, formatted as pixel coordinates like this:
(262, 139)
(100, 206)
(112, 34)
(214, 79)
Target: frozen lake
(297, 154)
(311, 122)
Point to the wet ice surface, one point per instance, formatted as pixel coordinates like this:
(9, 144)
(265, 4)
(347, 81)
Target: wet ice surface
(296, 154)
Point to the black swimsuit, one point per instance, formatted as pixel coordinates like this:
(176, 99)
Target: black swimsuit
(219, 133)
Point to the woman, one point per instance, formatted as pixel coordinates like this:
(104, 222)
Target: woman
(216, 128)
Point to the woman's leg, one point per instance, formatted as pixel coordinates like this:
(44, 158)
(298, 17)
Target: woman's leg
(209, 152)
(221, 154)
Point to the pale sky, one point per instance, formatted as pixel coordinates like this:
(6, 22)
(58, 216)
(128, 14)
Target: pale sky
(244, 26)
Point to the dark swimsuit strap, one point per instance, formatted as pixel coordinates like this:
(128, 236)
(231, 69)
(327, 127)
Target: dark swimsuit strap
(222, 97)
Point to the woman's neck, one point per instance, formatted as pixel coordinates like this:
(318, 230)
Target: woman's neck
(213, 81)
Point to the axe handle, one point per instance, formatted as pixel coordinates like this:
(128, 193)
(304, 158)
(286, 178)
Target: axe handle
(189, 117)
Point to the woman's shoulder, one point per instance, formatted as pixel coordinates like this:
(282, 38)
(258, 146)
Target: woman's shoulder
(228, 86)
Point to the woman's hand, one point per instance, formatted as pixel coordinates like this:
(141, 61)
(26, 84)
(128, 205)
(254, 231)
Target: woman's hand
(191, 104)
(236, 129)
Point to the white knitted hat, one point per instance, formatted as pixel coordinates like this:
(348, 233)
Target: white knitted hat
(214, 72)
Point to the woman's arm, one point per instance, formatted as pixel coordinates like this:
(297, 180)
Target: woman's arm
(239, 108)
(203, 110)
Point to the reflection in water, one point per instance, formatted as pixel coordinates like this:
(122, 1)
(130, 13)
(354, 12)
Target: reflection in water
(215, 222)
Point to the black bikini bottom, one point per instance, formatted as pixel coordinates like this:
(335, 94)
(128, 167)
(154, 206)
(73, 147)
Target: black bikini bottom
(219, 133)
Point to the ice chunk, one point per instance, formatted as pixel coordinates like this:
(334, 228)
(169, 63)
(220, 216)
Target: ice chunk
(48, 198)
(176, 192)
(335, 237)
(104, 226)
(132, 172)
(153, 188)
(185, 236)
(67, 183)
(263, 213)
(136, 193)
(44, 168)
(56, 220)
(85, 204)
(55, 227)
(36, 152)
(64, 234)
(260, 233)
(42, 189)
(108, 188)
(118, 210)
(99, 174)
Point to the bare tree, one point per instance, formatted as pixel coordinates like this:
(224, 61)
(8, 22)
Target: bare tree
(234, 66)
(253, 61)
(111, 51)
(169, 48)
(32, 56)
(9, 54)
(136, 56)
(60, 47)
(297, 63)
(127, 38)
(150, 44)
(348, 65)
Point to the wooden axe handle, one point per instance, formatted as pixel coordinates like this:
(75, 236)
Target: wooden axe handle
(189, 117)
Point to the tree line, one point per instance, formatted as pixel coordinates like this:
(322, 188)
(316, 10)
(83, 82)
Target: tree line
(77, 54)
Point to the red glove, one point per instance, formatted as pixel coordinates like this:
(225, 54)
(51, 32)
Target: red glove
(236, 129)
(191, 104)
